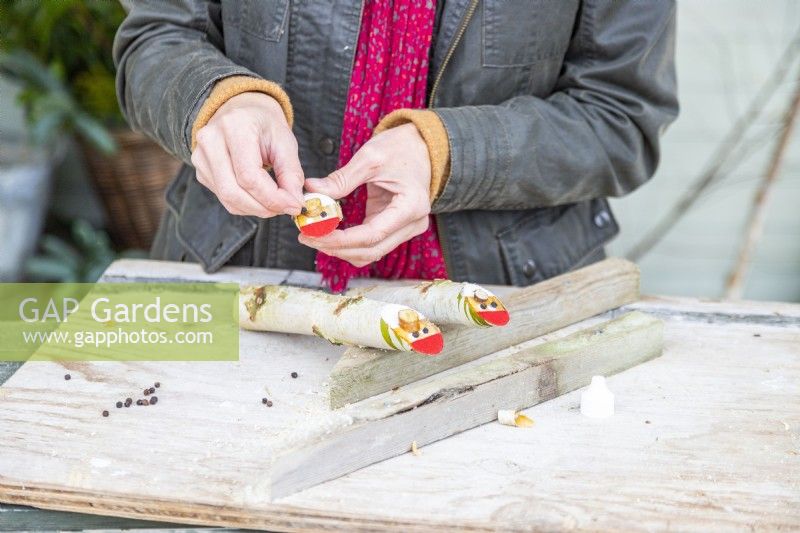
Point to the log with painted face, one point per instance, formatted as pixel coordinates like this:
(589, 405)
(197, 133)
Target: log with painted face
(319, 216)
(405, 329)
(444, 301)
(356, 320)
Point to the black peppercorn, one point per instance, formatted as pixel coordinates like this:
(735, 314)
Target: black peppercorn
(145, 402)
(105, 413)
(152, 390)
(264, 401)
(128, 402)
(146, 392)
(139, 402)
(294, 374)
(119, 405)
(157, 384)
(154, 400)
(67, 377)
(269, 403)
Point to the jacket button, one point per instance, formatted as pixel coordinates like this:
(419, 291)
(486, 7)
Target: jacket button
(602, 219)
(326, 146)
(529, 268)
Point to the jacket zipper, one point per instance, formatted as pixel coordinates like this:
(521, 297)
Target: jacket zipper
(451, 50)
(434, 89)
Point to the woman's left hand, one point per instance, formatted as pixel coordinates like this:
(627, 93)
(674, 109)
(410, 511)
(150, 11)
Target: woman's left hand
(395, 166)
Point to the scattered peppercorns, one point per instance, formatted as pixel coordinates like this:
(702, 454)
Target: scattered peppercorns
(142, 401)
(294, 375)
(67, 377)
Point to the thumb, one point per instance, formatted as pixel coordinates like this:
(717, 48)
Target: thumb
(338, 183)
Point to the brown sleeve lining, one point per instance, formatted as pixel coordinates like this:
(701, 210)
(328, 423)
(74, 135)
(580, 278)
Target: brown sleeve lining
(432, 130)
(227, 88)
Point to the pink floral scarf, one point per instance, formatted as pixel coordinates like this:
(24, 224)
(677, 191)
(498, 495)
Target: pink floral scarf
(390, 72)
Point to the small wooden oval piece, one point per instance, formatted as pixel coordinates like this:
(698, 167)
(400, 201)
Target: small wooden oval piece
(321, 215)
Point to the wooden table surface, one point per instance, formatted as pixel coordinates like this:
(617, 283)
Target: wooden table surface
(706, 436)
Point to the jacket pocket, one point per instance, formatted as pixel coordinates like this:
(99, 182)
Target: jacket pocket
(204, 227)
(535, 248)
(264, 19)
(518, 33)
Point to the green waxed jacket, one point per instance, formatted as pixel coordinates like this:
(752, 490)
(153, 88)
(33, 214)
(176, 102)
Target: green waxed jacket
(550, 106)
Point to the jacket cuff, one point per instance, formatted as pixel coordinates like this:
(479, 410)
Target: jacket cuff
(433, 133)
(227, 88)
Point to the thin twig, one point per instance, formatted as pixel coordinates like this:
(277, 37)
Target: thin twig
(755, 218)
(725, 149)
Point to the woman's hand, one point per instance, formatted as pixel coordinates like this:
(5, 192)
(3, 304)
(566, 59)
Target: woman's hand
(395, 165)
(247, 133)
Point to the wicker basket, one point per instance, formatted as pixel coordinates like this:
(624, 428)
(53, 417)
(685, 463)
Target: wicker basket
(131, 184)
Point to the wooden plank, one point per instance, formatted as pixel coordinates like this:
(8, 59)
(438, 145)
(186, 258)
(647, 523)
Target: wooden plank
(437, 408)
(535, 310)
(76, 473)
(705, 437)
(19, 518)
(777, 314)
(148, 270)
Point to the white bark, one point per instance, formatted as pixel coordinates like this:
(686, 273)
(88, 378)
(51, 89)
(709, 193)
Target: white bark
(444, 302)
(356, 321)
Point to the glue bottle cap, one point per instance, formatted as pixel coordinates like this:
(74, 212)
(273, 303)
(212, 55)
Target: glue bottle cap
(596, 400)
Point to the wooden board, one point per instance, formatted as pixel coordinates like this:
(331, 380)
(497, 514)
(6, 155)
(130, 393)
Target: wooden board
(307, 443)
(720, 450)
(535, 310)
(706, 437)
(432, 409)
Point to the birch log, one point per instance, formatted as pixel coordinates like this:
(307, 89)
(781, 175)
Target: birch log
(355, 321)
(444, 302)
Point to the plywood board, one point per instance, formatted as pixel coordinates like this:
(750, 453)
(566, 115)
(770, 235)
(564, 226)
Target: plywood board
(705, 437)
(535, 310)
(436, 408)
(210, 431)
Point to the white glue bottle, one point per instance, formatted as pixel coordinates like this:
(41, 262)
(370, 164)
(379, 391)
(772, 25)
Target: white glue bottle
(596, 400)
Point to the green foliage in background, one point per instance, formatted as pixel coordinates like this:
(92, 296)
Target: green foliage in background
(74, 39)
(60, 52)
(83, 258)
(49, 106)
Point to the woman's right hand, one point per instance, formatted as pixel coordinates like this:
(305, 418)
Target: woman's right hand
(247, 133)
